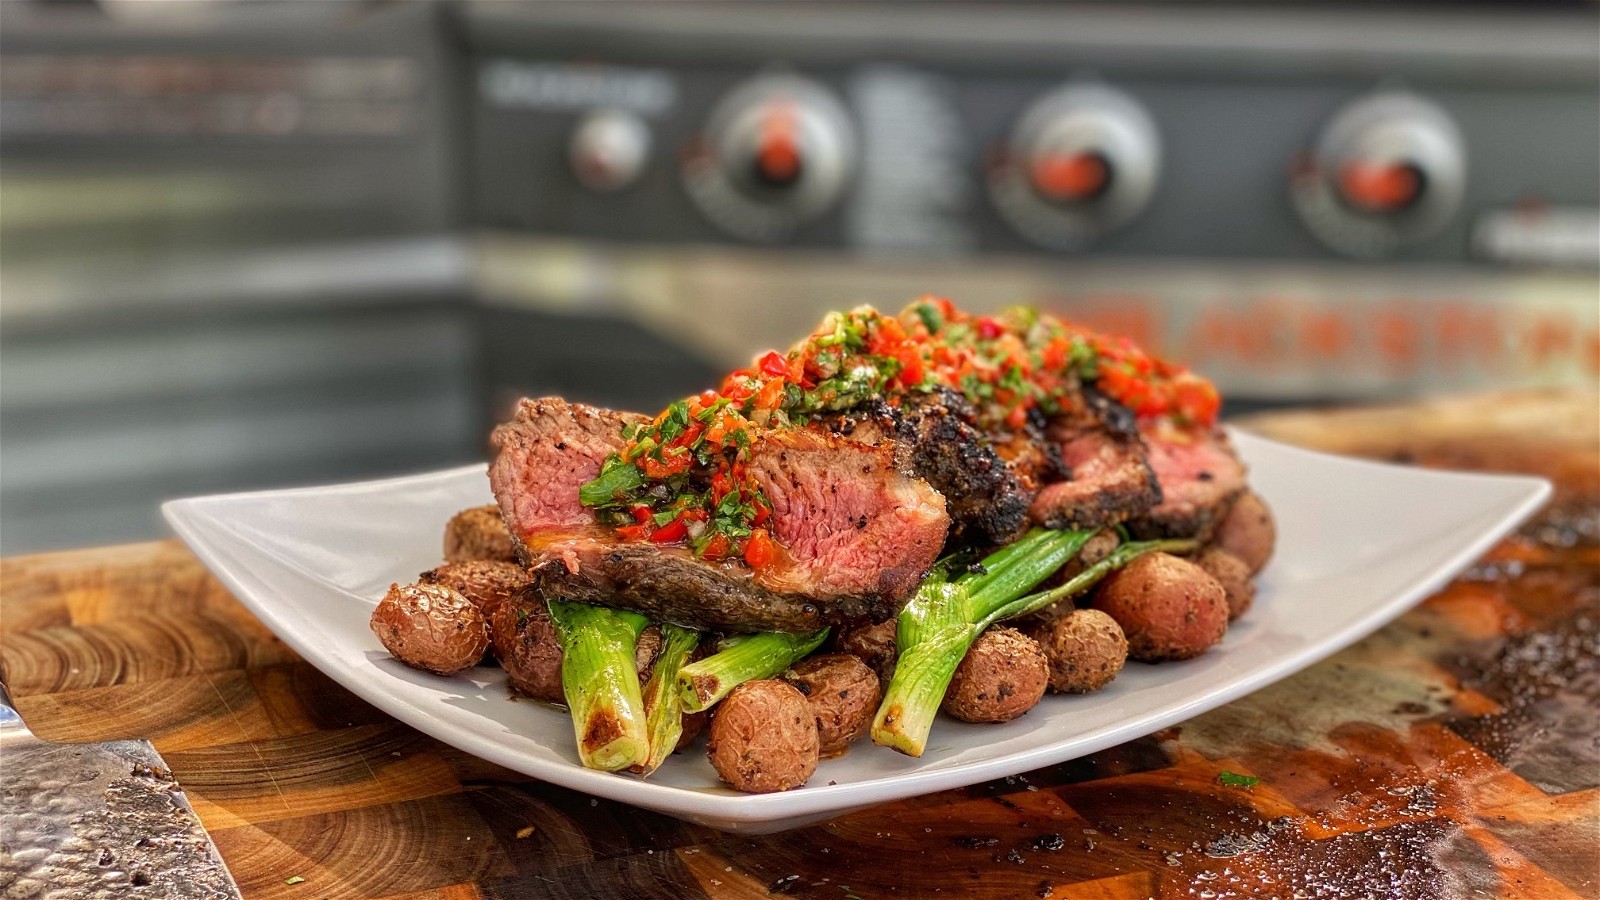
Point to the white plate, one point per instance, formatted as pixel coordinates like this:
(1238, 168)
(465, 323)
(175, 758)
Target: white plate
(1358, 544)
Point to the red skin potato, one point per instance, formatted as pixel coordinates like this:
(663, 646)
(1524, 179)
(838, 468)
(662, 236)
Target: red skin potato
(487, 583)
(1169, 608)
(843, 693)
(1248, 531)
(478, 534)
(526, 643)
(764, 738)
(1233, 574)
(1003, 675)
(1086, 649)
(430, 627)
(873, 644)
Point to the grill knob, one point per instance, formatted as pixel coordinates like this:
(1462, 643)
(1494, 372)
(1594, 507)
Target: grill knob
(1388, 172)
(608, 150)
(777, 152)
(1081, 162)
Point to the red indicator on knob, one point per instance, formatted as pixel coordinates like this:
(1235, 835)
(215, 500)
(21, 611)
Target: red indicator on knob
(1071, 177)
(777, 161)
(1380, 186)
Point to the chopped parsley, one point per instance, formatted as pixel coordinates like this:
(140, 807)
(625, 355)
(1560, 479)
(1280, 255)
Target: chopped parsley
(1234, 779)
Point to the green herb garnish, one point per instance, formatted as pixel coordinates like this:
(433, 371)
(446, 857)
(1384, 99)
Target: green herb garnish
(616, 479)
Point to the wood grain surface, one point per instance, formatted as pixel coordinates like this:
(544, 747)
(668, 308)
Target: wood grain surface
(1455, 753)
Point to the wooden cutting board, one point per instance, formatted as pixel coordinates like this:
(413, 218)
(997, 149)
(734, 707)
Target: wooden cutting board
(1454, 753)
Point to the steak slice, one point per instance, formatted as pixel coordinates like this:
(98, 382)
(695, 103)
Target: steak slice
(1032, 457)
(548, 449)
(859, 534)
(939, 440)
(1200, 478)
(1107, 477)
(987, 496)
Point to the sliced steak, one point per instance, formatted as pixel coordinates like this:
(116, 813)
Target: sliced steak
(1200, 478)
(860, 534)
(852, 522)
(1033, 458)
(939, 440)
(546, 451)
(1106, 476)
(987, 496)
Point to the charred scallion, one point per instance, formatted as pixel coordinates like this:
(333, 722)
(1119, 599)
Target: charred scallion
(746, 658)
(948, 613)
(601, 683)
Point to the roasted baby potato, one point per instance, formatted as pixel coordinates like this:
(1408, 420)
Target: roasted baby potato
(1233, 574)
(526, 643)
(430, 626)
(487, 583)
(1003, 675)
(843, 693)
(873, 644)
(529, 649)
(478, 533)
(1248, 531)
(1097, 548)
(1085, 649)
(1169, 608)
(764, 737)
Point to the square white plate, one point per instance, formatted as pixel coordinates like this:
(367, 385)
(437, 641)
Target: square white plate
(1358, 544)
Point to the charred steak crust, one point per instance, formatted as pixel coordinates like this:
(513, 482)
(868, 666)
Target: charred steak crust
(1032, 458)
(1107, 475)
(1200, 477)
(987, 500)
(872, 422)
(938, 439)
(669, 584)
(860, 533)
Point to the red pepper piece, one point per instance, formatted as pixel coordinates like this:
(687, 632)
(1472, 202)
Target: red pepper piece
(665, 468)
(719, 547)
(762, 511)
(719, 486)
(672, 532)
(760, 550)
(634, 532)
(771, 395)
(1018, 415)
(774, 364)
(911, 372)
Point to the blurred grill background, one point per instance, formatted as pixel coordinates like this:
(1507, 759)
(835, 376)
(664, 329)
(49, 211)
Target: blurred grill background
(251, 244)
